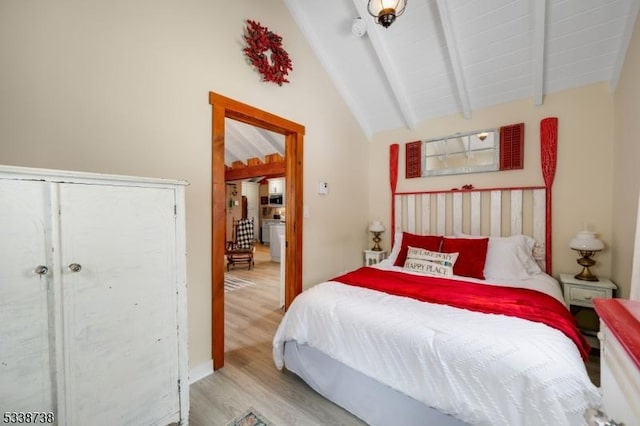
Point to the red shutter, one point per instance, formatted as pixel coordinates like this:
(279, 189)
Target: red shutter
(413, 159)
(512, 147)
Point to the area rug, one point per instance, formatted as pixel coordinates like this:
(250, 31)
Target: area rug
(233, 283)
(250, 418)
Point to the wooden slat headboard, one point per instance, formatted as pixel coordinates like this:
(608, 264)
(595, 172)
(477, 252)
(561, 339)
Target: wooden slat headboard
(494, 211)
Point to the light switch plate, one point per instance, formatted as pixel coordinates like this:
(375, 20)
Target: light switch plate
(323, 188)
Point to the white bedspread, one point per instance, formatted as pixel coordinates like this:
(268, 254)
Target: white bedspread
(483, 369)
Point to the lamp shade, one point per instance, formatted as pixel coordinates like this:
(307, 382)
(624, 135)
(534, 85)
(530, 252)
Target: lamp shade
(377, 6)
(586, 241)
(376, 226)
(386, 11)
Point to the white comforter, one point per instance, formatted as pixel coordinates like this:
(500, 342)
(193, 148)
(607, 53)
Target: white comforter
(481, 368)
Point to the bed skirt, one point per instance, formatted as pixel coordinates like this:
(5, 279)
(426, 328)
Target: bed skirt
(375, 403)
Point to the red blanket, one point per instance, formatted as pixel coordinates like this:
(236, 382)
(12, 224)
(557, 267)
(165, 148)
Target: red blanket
(516, 302)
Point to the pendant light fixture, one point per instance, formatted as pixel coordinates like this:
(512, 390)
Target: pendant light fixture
(386, 11)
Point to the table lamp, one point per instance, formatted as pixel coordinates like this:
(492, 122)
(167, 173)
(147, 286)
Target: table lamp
(586, 244)
(376, 228)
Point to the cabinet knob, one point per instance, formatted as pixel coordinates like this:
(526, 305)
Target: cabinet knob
(41, 270)
(75, 267)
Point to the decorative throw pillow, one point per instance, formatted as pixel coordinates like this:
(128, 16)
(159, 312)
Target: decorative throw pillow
(472, 255)
(430, 262)
(509, 258)
(427, 242)
(244, 233)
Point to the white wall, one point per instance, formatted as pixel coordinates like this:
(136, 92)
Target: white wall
(626, 170)
(582, 186)
(122, 86)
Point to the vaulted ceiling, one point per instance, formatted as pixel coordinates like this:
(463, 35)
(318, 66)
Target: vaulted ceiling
(243, 141)
(447, 57)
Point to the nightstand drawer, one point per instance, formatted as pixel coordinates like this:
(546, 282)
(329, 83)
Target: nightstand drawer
(371, 257)
(584, 296)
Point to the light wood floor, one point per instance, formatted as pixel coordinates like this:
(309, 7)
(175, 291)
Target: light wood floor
(249, 377)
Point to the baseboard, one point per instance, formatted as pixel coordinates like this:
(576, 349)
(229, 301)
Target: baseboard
(200, 371)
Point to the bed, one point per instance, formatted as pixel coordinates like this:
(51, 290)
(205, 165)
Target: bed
(453, 328)
(395, 360)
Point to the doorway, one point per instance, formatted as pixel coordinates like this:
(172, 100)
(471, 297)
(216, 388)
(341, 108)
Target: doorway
(223, 107)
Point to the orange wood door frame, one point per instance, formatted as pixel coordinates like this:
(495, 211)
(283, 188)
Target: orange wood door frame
(223, 107)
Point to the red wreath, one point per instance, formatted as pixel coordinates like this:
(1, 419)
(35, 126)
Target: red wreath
(260, 40)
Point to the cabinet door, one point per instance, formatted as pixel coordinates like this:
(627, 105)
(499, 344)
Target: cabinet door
(120, 320)
(276, 186)
(276, 231)
(26, 333)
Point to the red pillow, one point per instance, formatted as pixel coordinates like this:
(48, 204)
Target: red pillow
(427, 242)
(473, 253)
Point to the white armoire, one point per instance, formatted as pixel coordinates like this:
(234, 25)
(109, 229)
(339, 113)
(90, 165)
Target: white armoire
(93, 298)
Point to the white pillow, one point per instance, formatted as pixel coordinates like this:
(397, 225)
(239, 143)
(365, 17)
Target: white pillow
(509, 258)
(430, 262)
(527, 241)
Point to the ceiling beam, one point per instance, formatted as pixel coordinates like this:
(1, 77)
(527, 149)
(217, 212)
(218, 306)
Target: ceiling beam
(274, 169)
(454, 57)
(390, 71)
(625, 38)
(538, 49)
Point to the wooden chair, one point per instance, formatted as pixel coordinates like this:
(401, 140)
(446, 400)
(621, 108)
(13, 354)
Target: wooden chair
(242, 248)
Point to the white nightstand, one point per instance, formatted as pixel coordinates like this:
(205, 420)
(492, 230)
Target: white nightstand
(371, 257)
(581, 293)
